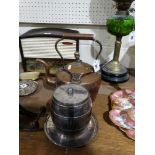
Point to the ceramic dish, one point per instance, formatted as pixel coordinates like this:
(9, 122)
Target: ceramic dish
(129, 133)
(121, 119)
(27, 87)
(123, 111)
(123, 99)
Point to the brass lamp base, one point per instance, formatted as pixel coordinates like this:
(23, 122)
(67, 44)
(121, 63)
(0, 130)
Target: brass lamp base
(114, 72)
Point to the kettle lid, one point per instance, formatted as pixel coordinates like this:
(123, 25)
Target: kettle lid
(79, 67)
(75, 70)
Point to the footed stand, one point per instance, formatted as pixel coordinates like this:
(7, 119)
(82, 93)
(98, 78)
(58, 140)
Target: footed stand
(114, 71)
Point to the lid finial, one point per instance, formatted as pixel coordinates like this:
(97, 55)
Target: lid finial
(77, 56)
(70, 91)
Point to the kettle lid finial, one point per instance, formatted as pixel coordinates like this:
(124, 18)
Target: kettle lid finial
(77, 56)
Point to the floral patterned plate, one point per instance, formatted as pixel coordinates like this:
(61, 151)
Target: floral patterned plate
(123, 111)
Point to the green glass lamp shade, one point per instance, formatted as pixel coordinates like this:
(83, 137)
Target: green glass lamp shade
(119, 25)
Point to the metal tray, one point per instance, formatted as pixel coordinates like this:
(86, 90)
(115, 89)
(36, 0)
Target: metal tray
(69, 140)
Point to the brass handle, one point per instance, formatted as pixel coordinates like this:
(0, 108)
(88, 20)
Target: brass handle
(80, 37)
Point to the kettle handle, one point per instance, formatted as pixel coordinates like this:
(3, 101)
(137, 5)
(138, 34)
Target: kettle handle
(80, 36)
(75, 37)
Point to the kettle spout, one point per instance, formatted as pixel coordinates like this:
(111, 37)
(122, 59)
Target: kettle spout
(47, 71)
(46, 65)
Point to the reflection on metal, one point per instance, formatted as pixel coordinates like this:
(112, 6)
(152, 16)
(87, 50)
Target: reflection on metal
(61, 139)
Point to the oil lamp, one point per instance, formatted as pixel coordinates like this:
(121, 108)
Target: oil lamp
(121, 24)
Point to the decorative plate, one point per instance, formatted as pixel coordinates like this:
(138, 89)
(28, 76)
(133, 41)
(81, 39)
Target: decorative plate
(121, 119)
(129, 133)
(123, 99)
(27, 87)
(123, 111)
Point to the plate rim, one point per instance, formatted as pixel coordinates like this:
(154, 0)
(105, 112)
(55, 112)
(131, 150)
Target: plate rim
(32, 91)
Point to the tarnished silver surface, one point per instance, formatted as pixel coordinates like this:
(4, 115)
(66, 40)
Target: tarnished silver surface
(71, 124)
(71, 111)
(69, 140)
(27, 87)
(71, 107)
(70, 94)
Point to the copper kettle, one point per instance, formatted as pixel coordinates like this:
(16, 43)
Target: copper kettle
(76, 72)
